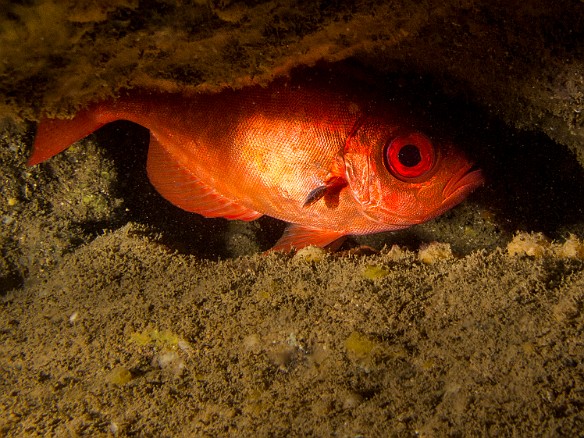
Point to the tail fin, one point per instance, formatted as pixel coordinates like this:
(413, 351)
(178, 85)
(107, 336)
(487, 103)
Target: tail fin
(56, 135)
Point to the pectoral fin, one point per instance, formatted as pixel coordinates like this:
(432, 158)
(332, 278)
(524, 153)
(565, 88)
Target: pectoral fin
(330, 192)
(298, 236)
(185, 190)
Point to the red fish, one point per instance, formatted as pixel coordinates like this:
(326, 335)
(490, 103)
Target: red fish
(332, 160)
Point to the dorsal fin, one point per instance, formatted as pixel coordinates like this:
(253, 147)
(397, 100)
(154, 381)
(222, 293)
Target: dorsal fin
(188, 192)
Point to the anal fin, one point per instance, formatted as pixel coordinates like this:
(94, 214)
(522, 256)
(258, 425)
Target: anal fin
(185, 190)
(298, 236)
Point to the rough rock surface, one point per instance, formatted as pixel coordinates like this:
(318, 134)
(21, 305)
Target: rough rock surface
(118, 318)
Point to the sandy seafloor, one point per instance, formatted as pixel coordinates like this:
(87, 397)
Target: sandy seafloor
(124, 316)
(168, 324)
(125, 339)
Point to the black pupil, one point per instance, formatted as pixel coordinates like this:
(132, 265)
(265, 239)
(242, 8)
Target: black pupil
(409, 155)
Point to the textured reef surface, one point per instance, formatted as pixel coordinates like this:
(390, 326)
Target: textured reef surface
(124, 315)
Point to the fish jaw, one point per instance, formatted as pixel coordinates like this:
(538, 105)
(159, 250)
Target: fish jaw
(461, 185)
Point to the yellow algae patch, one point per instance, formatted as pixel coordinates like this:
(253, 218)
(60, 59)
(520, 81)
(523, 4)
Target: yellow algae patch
(168, 358)
(119, 376)
(435, 252)
(360, 346)
(269, 289)
(373, 272)
(428, 364)
(528, 348)
(264, 294)
(165, 339)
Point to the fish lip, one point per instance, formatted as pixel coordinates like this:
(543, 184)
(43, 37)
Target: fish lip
(462, 183)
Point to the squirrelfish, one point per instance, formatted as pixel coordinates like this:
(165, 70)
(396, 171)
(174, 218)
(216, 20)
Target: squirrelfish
(326, 156)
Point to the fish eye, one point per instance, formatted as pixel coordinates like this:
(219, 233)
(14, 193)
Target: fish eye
(409, 156)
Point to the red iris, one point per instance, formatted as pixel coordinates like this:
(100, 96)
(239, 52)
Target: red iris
(410, 156)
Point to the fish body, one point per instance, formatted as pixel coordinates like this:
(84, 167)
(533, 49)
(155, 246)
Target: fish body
(331, 160)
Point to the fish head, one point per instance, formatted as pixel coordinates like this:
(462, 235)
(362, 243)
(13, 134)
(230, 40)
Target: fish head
(402, 176)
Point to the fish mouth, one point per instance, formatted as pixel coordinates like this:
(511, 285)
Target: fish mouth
(462, 183)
